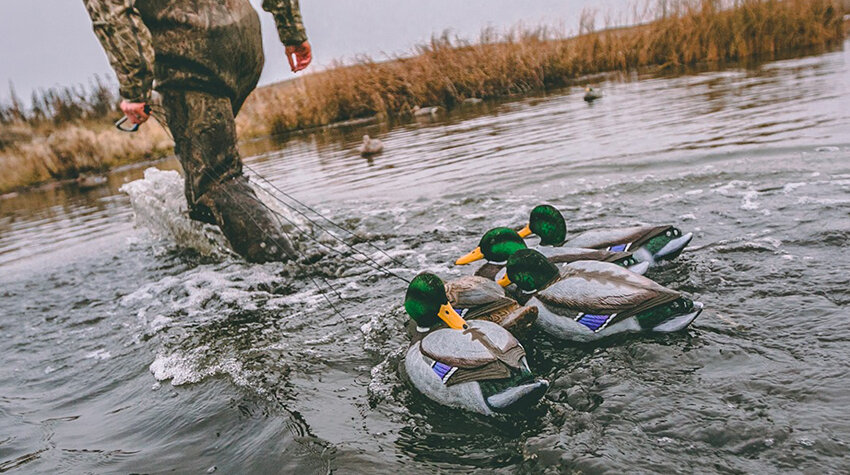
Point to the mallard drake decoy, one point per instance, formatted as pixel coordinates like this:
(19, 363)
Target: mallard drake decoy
(498, 244)
(646, 243)
(591, 94)
(589, 300)
(476, 365)
(370, 146)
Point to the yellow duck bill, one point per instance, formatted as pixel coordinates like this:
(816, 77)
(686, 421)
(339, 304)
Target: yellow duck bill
(452, 318)
(473, 256)
(504, 281)
(525, 232)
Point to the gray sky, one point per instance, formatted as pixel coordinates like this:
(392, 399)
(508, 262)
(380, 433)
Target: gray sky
(50, 42)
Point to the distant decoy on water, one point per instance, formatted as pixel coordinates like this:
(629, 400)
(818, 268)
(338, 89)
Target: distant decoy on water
(426, 111)
(87, 182)
(370, 146)
(591, 94)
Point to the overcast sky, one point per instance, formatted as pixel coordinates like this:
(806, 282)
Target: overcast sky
(50, 42)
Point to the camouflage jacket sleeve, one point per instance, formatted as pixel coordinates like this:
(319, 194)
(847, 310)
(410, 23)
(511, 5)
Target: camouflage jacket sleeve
(287, 15)
(127, 42)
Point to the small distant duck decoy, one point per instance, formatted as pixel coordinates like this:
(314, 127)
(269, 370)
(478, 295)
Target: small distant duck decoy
(475, 365)
(591, 94)
(646, 243)
(498, 244)
(588, 300)
(426, 111)
(87, 182)
(370, 146)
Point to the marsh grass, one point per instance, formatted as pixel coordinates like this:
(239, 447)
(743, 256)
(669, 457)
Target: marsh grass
(64, 132)
(446, 71)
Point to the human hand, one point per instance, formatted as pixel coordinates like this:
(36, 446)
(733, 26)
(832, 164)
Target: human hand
(136, 112)
(303, 55)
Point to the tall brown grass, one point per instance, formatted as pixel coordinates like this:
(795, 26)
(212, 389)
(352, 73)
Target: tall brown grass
(65, 132)
(444, 72)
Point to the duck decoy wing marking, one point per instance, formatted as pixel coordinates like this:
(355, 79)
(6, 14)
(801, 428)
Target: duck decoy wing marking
(472, 291)
(636, 235)
(599, 288)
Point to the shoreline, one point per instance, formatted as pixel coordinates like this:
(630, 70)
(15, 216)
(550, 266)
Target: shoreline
(445, 74)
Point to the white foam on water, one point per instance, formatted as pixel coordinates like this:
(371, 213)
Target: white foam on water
(776, 243)
(384, 379)
(805, 441)
(159, 323)
(826, 202)
(748, 202)
(188, 367)
(230, 284)
(790, 187)
(100, 354)
(160, 207)
(731, 188)
(378, 331)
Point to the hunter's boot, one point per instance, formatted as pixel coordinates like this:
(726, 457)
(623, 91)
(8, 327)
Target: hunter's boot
(253, 230)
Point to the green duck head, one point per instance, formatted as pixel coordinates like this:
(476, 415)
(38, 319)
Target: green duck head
(548, 223)
(529, 270)
(497, 245)
(427, 304)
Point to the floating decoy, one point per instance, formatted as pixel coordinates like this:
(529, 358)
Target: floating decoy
(498, 244)
(588, 300)
(591, 94)
(646, 243)
(370, 146)
(475, 365)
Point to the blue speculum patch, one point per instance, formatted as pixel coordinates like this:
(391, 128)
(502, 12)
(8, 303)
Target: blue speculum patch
(620, 247)
(594, 322)
(443, 370)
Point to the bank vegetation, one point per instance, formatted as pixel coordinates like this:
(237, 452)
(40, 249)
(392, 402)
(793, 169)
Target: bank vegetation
(67, 132)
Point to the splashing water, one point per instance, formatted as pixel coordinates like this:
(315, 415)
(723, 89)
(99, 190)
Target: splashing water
(160, 207)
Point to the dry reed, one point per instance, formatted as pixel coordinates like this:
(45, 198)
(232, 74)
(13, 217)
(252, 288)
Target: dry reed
(446, 71)
(57, 139)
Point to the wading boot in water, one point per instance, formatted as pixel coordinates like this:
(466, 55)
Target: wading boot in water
(250, 227)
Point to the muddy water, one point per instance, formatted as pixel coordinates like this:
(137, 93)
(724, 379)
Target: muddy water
(127, 351)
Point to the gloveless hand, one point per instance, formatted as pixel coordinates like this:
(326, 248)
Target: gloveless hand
(136, 112)
(303, 55)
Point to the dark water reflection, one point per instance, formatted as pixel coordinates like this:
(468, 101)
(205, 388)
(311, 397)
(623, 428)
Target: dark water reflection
(124, 354)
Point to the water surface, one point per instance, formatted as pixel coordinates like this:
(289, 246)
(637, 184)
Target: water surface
(127, 353)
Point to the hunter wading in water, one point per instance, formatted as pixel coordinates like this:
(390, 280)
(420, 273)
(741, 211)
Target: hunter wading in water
(209, 56)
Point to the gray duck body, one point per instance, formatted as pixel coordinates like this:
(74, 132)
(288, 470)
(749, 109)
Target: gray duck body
(449, 366)
(637, 240)
(592, 300)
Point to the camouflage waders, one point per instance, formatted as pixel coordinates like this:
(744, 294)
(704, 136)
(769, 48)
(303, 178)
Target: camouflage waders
(208, 59)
